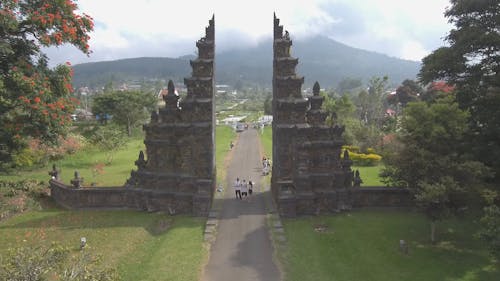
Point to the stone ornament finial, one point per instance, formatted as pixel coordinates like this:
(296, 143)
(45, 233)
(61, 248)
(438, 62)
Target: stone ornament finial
(171, 87)
(77, 181)
(54, 174)
(346, 155)
(172, 98)
(141, 162)
(316, 89)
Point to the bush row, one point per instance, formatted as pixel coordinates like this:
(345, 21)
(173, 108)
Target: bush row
(370, 158)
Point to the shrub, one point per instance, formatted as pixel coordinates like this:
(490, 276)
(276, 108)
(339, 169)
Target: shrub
(362, 159)
(53, 263)
(39, 153)
(20, 196)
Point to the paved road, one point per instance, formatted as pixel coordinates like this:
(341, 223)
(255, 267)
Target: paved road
(242, 250)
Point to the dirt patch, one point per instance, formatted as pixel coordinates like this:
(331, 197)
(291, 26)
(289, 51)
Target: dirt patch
(322, 228)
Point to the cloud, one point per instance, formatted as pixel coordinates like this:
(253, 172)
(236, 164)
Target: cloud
(404, 28)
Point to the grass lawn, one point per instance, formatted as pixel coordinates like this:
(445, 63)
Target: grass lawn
(141, 246)
(224, 135)
(266, 139)
(364, 245)
(370, 175)
(114, 174)
(137, 243)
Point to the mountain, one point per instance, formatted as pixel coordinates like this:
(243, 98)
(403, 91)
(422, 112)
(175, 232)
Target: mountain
(320, 59)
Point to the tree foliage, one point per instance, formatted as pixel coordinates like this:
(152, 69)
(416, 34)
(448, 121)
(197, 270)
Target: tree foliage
(471, 64)
(490, 231)
(432, 161)
(127, 108)
(34, 99)
(408, 91)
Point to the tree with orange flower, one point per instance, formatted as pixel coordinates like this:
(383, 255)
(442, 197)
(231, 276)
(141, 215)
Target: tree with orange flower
(35, 100)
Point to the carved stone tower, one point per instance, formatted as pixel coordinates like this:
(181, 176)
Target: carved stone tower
(179, 172)
(307, 167)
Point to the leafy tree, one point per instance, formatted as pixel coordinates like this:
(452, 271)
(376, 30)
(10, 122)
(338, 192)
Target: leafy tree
(108, 138)
(490, 231)
(408, 91)
(127, 108)
(471, 64)
(348, 84)
(339, 109)
(34, 99)
(370, 104)
(431, 161)
(437, 90)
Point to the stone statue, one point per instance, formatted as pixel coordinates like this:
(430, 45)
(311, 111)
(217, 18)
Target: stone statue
(287, 35)
(316, 89)
(77, 181)
(54, 174)
(141, 163)
(357, 181)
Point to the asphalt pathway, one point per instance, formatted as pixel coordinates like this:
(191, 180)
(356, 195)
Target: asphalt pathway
(243, 250)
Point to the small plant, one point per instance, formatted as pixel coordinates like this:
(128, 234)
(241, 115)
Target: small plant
(97, 170)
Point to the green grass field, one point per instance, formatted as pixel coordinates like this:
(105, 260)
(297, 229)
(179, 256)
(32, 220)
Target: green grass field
(364, 245)
(141, 246)
(370, 175)
(224, 135)
(116, 173)
(266, 139)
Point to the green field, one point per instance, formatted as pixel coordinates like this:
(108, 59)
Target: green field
(224, 136)
(141, 246)
(116, 173)
(266, 138)
(364, 245)
(370, 175)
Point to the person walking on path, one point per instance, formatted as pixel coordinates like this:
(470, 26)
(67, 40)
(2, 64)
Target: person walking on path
(244, 189)
(237, 188)
(250, 187)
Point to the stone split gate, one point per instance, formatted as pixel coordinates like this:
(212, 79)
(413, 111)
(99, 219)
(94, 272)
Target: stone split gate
(178, 175)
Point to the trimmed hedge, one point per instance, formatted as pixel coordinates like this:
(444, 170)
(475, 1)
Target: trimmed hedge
(362, 159)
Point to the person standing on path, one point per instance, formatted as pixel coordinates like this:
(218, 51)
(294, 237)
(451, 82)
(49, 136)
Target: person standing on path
(250, 187)
(237, 188)
(244, 189)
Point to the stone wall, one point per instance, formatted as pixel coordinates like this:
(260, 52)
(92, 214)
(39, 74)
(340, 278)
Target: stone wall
(333, 201)
(126, 198)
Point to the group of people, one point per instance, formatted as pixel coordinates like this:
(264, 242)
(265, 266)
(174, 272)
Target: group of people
(266, 166)
(242, 188)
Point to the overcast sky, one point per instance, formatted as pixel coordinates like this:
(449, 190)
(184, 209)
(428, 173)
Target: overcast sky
(406, 29)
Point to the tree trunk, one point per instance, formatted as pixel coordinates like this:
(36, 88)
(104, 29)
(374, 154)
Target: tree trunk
(129, 128)
(433, 232)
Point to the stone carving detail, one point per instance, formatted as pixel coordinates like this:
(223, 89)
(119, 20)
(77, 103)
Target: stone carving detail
(307, 162)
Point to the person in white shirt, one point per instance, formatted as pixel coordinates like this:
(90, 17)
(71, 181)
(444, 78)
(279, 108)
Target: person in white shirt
(237, 188)
(244, 189)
